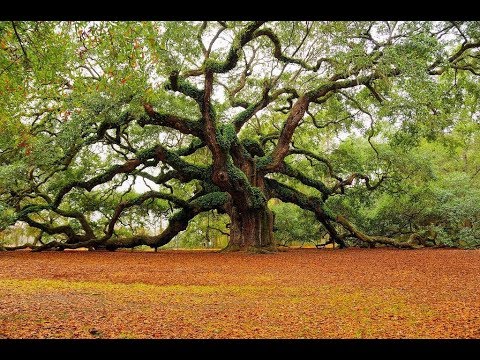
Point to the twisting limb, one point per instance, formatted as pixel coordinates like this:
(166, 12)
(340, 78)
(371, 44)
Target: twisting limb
(20, 41)
(313, 204)
(341, 183)
(322, 159)
(372, 239)
(279, 55)
(245, 36)
(266, 99)
(349, 180)
(298, 175)
(288, 194)
(184, 125)
(136, 202)
(197, 204)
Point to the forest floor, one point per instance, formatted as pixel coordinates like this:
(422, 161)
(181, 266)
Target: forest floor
(305, 293)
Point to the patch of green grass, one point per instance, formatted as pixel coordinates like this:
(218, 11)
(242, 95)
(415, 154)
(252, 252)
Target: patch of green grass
(304, 310)
(127, 335)
(93, 287)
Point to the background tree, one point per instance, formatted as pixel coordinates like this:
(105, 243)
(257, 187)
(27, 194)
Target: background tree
(215, 116)
(434, 193)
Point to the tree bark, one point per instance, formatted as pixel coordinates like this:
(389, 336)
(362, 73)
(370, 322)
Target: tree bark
(251, 230)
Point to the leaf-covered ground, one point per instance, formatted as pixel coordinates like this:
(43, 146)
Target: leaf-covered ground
(354, 293)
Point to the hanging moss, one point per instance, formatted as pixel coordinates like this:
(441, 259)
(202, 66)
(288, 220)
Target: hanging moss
(210, 187)
(214, 65)
(263, 161)
(189, 170)
(210, 201)
(186, 88)
(144, 155)
(241, 118)
(253, 147)
(259, 200)
(226, 135)
(180, 215)
(235, 174)
(190, 149)
(32, 209)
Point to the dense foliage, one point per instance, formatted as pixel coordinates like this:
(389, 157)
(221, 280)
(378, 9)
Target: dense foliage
(124, 134)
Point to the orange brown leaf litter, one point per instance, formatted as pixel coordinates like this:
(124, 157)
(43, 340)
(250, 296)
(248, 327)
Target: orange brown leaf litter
(306, 293)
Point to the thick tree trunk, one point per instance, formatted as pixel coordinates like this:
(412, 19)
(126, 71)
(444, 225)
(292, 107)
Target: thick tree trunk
(251, 230)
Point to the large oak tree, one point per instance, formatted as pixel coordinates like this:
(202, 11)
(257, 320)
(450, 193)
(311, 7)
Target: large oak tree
(210, 115)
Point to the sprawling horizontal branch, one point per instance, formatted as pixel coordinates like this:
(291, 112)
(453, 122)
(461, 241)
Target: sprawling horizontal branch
(178, 222)
(304, 179)
(313, 204)
(349, 180)
(371, 239)
(19, 247)
(341, 183)
(73, 237)
(66, 230)
(323, 160)
(277, 51)
(177, 83)
(251, 109)
(184, 170)
(184, 125)
(288, 194)
(245, 36)
(136, 202)
(88, 185)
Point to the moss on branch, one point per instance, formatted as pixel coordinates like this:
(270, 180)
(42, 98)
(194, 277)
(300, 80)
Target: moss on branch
(316, 184)
(210, 201)
(253, 147)
(226, 136)
(242, 38)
